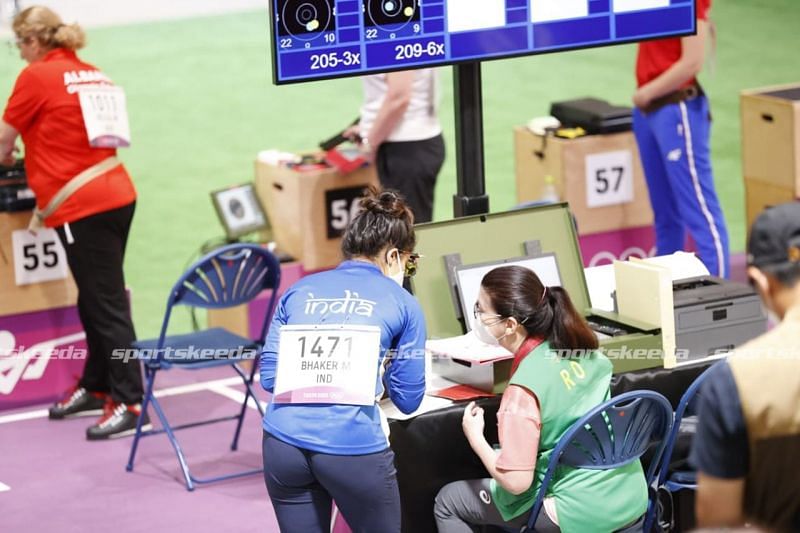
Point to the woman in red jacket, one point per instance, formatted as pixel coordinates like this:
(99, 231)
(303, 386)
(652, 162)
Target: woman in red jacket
(92, 215)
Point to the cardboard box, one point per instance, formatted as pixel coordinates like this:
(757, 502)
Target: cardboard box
(600, 176)
(309, 209)
(234, 319)
(771, 135)
(760, 195)
(15, 299)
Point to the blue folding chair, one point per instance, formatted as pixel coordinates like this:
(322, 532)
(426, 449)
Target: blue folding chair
(682, 479)
(229, 276)
(611, 435)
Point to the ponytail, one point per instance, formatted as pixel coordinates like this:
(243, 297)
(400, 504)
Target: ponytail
(544, 312)
(69, 36)
(43, 24)
(569, 330)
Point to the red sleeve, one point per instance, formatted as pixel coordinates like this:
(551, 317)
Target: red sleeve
(25, 102)
(518, 428)
(703, 7)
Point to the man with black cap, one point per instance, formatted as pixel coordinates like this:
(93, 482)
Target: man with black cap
(747, 446)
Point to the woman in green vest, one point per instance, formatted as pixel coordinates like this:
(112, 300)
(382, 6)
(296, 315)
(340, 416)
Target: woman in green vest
(557, 376)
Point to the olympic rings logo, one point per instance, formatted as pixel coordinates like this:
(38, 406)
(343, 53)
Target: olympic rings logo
(606, 257)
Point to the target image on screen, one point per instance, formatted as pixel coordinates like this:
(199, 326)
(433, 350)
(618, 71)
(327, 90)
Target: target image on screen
(323, 39)
(304, 24)
(391, 19)
(305, 19)
(391, 14)
(239, 210)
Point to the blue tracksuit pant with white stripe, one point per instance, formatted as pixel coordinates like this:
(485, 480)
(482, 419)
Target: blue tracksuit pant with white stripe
(675, 153)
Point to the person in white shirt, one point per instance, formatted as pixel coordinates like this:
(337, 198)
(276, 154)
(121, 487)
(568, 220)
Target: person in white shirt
(400, 133)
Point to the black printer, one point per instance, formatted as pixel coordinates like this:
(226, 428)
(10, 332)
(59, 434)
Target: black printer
(593, 115)
(15, 195)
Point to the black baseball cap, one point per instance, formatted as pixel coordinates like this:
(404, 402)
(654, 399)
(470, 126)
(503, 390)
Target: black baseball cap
(775, 237)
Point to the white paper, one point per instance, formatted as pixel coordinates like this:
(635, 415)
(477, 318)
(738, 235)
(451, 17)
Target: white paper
(601, 283)
(682, 265)
(276, 157)
(609, 178)
(548, 10)
(327, 364)
(105, 115)
(467, 348)
(39, 257)
(466, 15)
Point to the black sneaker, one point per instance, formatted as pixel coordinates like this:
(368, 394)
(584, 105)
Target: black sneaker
(119, 420)
(79, 402)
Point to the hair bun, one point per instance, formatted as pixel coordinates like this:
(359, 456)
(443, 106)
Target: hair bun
(386, 203)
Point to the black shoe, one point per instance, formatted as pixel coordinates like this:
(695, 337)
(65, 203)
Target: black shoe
(79, 402)
(119, 420)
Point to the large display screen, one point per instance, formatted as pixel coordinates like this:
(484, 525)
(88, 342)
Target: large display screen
(318, 39)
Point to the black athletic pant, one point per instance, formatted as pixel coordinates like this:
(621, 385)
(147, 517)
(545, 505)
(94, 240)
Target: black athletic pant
(302, 484)
(411, 169)
(95, 258)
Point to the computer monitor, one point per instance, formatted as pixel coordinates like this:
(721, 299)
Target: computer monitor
(468, 278)
(239, 210)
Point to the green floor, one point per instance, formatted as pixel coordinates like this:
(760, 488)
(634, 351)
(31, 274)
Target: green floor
(202, 104)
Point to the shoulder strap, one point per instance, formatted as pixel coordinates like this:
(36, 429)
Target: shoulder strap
(69, 188)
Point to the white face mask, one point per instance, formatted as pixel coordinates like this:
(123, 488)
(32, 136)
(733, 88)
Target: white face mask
(483, 333)
(399, 276)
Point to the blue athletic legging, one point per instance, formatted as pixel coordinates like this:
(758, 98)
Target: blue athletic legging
(302, 484)
(676, 158)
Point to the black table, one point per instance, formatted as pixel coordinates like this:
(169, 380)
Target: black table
(431, 450)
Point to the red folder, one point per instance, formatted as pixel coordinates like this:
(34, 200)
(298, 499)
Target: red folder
(346, 159)
(461, 392)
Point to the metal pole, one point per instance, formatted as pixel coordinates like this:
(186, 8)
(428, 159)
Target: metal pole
(470, 197)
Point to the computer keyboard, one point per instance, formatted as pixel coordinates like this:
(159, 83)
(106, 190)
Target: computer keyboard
(606, 329)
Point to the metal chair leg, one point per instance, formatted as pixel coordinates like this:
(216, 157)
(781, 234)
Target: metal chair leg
(248, 381)
(174, 441)
(249, 386)
(150, 378)
(149, 398)
(239, 422)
